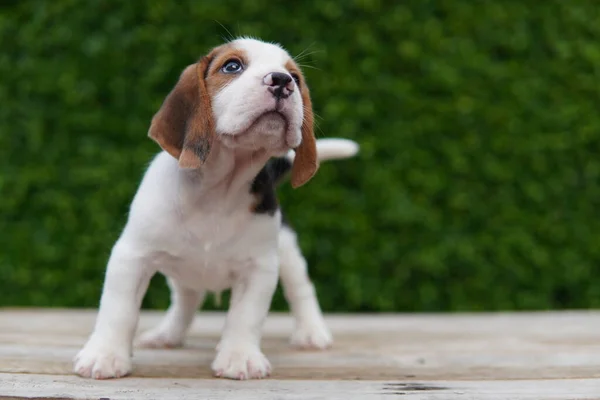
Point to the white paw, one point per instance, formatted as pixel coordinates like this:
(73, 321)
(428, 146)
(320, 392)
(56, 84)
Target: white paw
(314, 335)
(159, 338)
(102, 362)
(241, 362)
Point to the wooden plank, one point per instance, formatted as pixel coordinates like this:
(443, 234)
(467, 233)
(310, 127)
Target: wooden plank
(539, 355)
(69, 387)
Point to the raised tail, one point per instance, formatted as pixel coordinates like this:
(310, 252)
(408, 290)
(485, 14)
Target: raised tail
(327, 149)
(332, 149)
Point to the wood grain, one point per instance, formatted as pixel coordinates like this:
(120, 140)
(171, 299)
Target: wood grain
(531, 355)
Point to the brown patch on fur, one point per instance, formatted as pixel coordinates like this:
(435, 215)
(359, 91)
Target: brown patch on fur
(216, 80)
(305, 163)
(184, 126)
(293, 68)
(256, 199)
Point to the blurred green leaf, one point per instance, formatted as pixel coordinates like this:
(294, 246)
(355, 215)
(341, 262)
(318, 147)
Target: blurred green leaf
(477, 185)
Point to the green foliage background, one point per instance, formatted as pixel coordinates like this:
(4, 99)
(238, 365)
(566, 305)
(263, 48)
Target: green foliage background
(477, 186)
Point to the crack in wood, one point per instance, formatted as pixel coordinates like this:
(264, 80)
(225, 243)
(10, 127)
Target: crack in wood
(402, 388)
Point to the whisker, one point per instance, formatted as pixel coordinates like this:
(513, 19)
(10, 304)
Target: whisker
(303, 56)
(303, 51)
(315, 115)
(319, 130)
(309, 66)
(316, 119)
(231, 37)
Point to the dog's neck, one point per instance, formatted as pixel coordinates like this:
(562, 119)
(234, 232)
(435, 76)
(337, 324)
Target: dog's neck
(227, 173)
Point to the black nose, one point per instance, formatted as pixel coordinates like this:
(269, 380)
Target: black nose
(279, 84)
(280, 79)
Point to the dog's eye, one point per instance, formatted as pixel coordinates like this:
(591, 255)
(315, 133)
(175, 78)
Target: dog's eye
(296, 78)
(232, 67)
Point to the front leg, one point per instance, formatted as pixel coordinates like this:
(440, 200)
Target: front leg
(238, 353)
(107, 353)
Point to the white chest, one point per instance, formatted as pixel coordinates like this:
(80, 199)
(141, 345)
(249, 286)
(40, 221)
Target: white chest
(211, 251)
(205, 236)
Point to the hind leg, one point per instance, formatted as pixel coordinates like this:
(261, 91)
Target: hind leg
(311, 330)
(172, 329)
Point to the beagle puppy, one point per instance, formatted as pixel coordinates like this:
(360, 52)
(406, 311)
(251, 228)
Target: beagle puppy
(206, 215)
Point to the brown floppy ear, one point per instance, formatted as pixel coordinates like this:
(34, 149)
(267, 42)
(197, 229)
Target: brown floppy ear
(184, 125)
(305, 161)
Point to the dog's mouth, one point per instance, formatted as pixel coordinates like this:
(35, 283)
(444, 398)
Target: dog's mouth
(272, 120)
(269, 129)
(268, 123)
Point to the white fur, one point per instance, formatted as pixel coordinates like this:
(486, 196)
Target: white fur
(196, 228)
(236, 113)
(331, 149)
(311, 331)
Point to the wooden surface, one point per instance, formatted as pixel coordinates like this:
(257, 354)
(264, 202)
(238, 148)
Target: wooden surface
(435, 356)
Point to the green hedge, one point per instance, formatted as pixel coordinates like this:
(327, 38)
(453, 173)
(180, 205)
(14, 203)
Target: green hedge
(477, 186)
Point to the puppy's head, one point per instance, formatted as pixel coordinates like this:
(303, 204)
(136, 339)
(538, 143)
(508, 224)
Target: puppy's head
(245, 94)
